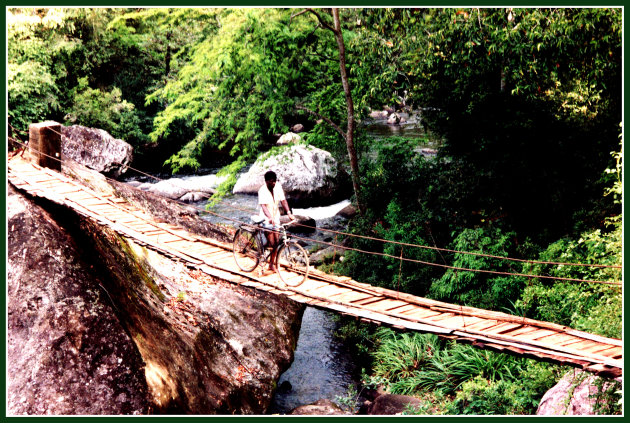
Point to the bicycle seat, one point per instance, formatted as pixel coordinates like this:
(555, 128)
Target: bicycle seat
(257, 219)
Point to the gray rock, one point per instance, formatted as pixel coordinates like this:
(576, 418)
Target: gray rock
(180, 341)
(347, 212)
(173, 188)
(321, 407)
(388, 404)
(428, 152)
(378, 114)
(67, 351)
(303, 224)
(96, 149)
(289, 138)
(393, 119)
(297, 128)
(193, 197)
(310, 176)
(325, 255)
(556, 401)
(176, 188)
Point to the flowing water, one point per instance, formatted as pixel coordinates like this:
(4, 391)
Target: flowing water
(323, 367)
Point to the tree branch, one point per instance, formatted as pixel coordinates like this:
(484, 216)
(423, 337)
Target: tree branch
(318, 16)
(324, 118)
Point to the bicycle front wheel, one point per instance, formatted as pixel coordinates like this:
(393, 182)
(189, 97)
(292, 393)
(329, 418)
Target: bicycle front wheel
(246, 250)
(292, 264)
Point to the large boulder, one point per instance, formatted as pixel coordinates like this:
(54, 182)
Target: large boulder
(310, 176)
(289, 138)
(99, 324)
(573, 395)
(389, 404)
(186, 189)
(347, 212)
(67, 351)
(96, 149)
(322, 407)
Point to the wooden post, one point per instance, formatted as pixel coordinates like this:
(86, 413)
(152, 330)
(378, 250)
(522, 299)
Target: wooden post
(44, 144)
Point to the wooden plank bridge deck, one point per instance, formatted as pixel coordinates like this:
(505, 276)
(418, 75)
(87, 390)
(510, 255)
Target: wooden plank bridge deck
(484, 329)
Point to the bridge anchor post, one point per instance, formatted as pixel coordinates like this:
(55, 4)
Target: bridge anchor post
(44, 144)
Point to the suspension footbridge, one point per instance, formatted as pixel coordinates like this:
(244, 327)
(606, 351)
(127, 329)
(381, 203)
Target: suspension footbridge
(482, 328)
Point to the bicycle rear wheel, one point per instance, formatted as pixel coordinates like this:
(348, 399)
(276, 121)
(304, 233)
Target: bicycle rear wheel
(246, 250)
(292, 264)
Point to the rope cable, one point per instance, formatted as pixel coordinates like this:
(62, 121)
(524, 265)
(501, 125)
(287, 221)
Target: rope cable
(435, 248)
(377, 239)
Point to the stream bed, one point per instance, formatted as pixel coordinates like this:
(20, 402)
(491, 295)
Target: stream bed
(322, 368)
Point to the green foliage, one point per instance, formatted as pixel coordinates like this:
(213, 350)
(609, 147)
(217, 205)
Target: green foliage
(105, 110)
(479, 396)
(497, 84)
(32, 93)
(235, 89)
(95, 65)
(608, 397)
(590, 307)
(394, 185)
(507, 396)
(483, 290)
(350, 401)
(482, 382)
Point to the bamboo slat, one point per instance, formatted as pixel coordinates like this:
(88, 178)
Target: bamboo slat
(524, 330)
(368, 301)
(404, 308)
(420, 313)
(504, 327)
(329, 290)
(387, 305)
(536, 335)
(310, 285)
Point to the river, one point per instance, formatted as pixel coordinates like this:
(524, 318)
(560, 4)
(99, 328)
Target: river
(322, 368)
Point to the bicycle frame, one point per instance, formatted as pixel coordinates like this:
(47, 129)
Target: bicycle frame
(294, 257)
(259, 231)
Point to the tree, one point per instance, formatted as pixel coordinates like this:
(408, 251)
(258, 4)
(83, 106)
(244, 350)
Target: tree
(247, 81)
(234, 90)
(350, 125)
(529, 101)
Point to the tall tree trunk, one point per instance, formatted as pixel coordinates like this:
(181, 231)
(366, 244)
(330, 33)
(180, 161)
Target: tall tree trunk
(349, 134)
(352, 153)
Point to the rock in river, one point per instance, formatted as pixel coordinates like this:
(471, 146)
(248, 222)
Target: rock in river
(323, 407)
(573, 395)
(310, 176)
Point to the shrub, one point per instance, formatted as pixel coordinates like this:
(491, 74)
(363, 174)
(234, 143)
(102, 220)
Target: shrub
(482, 382)
(106, 110)
(479, 289)
(33, 96)
(590, 307)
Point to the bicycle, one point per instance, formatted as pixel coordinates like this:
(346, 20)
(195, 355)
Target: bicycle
(250, 249)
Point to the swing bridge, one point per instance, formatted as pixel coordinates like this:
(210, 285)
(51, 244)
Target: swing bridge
(39, 173)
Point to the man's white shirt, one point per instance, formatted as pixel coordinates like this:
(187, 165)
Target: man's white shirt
(272, 202)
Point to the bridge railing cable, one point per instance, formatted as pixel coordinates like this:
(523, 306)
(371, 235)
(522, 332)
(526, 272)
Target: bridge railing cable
(342, 247)
(388, 241)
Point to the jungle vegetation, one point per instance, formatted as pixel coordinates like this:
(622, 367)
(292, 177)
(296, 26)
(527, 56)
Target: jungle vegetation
(527, 103)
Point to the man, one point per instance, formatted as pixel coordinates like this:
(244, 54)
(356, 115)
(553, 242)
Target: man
(269, 195)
